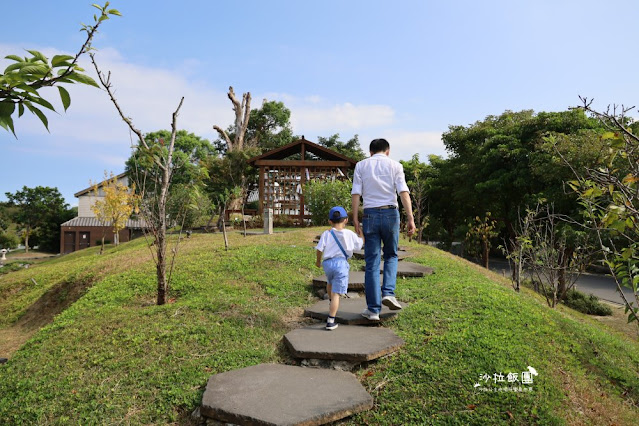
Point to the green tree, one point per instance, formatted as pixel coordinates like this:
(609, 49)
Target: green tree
(350, 148)
(21, 81)
(190, 151)
(41, 206)
(500, 164)
(114, 207)
(8, 239)
(478, 238)
(269, 126)
(419, 177)
(321, 195)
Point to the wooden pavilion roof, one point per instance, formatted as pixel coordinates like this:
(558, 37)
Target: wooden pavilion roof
(326, 157)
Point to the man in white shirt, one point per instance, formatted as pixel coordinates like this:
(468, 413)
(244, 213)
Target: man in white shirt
(378, 180)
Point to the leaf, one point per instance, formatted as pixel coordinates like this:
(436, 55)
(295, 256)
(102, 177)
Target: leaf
(64, 96)
(27, 88)
(6, 109)
(20, 109)
(37, 69)
(40, 115)
(43, 102)
(82, 78)
(114, 12)
(14, 58)
(15, 66)
(59, 60)
(39, 56)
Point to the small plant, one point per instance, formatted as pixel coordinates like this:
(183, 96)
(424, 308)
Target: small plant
(478, 237)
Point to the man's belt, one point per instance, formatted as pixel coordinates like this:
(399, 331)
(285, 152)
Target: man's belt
(384, 207)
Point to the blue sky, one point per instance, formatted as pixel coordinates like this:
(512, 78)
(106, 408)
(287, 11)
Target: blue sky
(403, 70)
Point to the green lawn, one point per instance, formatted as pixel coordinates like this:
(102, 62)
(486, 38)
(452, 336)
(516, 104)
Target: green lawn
(113, 357)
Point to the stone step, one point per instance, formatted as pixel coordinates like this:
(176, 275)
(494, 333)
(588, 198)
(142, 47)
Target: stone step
(408, 269)
(349, 312)
(275, 394)
(355, 280)
(401, 254)
(345, 343)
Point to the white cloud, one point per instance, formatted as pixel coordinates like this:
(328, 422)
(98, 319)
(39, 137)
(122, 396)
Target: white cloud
(91, 129)
(308, 117)
(404, 144)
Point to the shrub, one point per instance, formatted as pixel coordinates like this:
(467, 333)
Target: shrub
(321, 195)
(8, 240)
(586, 303)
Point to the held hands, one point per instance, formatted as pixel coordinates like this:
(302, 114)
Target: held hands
(358, 229)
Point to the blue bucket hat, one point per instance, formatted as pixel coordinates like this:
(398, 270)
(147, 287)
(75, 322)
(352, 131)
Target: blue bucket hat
(337, 213)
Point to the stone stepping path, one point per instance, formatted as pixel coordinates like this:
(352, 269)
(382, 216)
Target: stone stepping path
(350, 312)
(346, 343)
(356, 278)
(275, 394)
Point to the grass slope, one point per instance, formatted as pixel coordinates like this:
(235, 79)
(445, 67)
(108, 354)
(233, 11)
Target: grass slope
(112, 357)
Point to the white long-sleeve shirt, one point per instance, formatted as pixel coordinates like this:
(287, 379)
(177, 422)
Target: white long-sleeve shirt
(378, 179)
(350, 242)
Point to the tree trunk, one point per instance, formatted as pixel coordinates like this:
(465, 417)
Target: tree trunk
(564, 262)
(226, 240)
(27, 231)
(484, 251)
(161, 241)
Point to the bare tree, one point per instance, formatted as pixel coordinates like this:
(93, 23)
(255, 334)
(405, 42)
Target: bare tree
(242, 114)
(154, 213)
(555, 254)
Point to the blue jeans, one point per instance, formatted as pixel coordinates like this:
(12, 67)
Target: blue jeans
(380, 226)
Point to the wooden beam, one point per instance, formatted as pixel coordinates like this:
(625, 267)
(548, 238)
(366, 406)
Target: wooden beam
(301, 163)
(261, 193)
(302, 182)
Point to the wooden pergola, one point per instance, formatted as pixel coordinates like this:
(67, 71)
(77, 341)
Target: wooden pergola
(282, 178)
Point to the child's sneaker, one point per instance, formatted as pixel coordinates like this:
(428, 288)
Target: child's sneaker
(371, 316)
(331, 325)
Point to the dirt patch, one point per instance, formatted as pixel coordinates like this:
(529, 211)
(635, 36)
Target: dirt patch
(41, 313)
(590, 405)
(12, 338)
(53, 302)
(619, 321)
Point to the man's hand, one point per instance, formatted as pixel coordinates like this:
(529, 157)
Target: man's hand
(318, 264)
(355, 209)
(358, 229)
(410, 227)
(408, 208)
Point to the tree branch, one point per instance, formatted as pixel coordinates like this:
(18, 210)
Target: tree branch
(106, 83)
(224, 136)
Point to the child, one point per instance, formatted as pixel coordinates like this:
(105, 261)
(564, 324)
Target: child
(335, 247)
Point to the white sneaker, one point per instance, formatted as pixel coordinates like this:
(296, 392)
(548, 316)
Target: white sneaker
(391, 303)
(371, 316)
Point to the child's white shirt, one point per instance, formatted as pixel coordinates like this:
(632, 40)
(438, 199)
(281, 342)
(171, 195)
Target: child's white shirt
(350, 242)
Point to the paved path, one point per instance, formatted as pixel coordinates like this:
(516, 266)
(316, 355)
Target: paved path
(602, 286)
